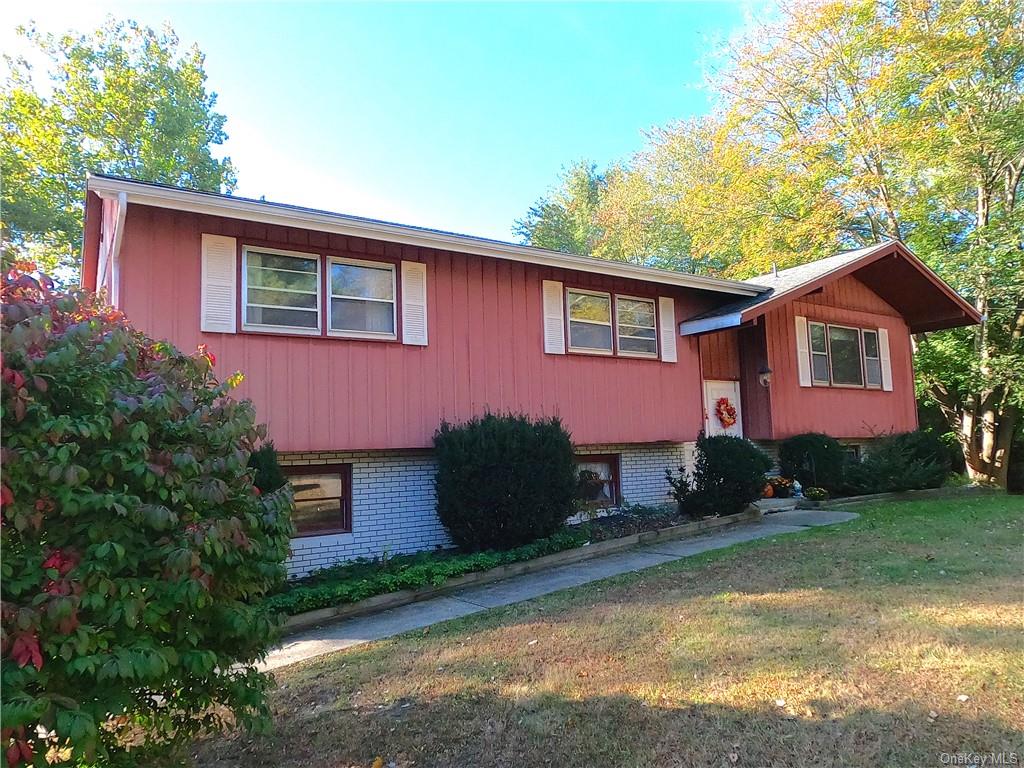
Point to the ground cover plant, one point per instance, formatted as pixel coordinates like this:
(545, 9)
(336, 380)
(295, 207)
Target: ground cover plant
(885, 641)
(352, 582)
(135, 546)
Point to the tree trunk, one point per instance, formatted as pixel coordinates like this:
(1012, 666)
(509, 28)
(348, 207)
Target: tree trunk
(987, 454)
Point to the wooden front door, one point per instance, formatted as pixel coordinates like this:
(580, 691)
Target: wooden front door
(714, 391)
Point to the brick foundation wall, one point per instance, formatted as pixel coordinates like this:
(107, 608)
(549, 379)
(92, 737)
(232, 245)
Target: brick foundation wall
(393, 499)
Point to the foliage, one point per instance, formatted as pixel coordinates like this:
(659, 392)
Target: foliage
(504, 480)
(900, 462)
(814, 459)
(816, 494)
(782, 487)
(120, 100)
(840, 124)
(134, 543)
(728, 474)
(352, 582)
(268, 476)
(610, 215)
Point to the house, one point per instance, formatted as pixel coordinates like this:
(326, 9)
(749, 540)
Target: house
(358, 337)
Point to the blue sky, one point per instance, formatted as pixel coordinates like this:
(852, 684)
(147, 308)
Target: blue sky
(455, 116)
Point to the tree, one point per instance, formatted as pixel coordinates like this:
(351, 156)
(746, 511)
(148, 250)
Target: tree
(121, 100)
(565, 219)
(135, 546)
(843, 123)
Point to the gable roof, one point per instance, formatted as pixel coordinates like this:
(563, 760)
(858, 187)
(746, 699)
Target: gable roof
(890, 269)
(228, 206)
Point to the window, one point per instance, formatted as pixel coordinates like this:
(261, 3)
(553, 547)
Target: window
(323, 499)
(636, 322)
(845, 356)
(872, 360)
(590, 321)
(281, 290)
(819, 353)
(852, 453)
(604, 491)
(362, 298)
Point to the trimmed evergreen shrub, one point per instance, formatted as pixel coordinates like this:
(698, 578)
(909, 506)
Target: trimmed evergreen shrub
(816, 460)
(504, 480)
(906, 461)
(728, 474)
(269, 476)
(135, 547)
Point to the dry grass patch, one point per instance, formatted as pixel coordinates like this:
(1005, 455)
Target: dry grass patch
(861, 631)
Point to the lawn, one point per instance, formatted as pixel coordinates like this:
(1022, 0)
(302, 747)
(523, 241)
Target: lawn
(854, 645)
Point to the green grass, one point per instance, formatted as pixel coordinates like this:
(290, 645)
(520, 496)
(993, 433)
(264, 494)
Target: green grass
(867, 632)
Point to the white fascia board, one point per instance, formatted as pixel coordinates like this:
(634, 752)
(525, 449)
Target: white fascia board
(279, 214)
(691, 327)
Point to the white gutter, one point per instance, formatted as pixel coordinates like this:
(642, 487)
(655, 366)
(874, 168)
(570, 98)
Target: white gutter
(690, 327)
(279, 214)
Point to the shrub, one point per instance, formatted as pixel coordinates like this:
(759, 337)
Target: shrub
(815, 494)
(134, 543)
(900, 462)
(816, 460)
(503, 481)
(268, 474)
(728, 475)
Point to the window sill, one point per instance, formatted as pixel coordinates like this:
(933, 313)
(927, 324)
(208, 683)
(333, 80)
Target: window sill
(364, 335)
(280, 330)
(324, 532)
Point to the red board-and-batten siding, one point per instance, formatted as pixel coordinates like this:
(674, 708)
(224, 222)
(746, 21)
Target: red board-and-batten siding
(485, 347)
(840, 412)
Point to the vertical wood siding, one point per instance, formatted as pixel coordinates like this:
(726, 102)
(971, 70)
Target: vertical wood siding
(485, 349)
(720, 355)
(840, 412)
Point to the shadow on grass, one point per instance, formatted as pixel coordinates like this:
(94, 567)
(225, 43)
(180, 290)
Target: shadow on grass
(481, 728)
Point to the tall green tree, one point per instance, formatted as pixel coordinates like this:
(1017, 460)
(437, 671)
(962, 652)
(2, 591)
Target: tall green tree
(123, 99)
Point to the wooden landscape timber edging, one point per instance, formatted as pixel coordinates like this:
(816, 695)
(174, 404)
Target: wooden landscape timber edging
(927, 493)
(379, 603)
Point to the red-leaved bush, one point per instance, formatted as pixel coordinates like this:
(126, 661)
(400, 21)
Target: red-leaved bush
(135, 547)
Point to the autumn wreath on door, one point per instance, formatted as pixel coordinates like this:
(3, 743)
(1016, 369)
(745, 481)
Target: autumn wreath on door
(726, 412)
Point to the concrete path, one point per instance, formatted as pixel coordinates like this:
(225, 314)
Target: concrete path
(345, 634)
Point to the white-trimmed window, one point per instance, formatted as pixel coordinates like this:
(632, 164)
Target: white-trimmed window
(362, 299)
(845, 356)
(280, 290)
(590, 321)
(819, 353)
(637, 324)
(872, 360)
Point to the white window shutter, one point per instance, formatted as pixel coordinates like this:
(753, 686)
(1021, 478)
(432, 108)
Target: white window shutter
(803, 352)
(414, 303)
(667, 320)
(554, 318)
(883, 353)
(218, 293)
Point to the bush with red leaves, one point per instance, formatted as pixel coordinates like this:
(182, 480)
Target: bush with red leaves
(135, 547)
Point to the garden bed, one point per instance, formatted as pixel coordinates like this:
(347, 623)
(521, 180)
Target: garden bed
(370, 587)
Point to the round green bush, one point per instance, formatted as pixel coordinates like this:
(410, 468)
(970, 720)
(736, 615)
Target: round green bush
(504, 480)
(816, 460)
(728, 474)
(135, 546)
(903, 461)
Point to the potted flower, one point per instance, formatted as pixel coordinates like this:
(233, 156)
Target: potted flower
(782, 487)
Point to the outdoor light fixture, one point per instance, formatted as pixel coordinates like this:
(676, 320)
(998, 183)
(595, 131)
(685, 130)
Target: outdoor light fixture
(764, 377)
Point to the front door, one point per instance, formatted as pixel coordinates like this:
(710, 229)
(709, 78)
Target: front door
(722, 414)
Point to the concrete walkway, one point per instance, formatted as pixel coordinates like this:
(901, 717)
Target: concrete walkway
(364, 629)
